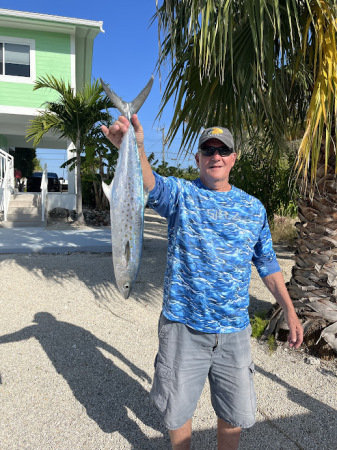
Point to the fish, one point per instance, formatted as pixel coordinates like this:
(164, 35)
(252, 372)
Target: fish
(127, 198)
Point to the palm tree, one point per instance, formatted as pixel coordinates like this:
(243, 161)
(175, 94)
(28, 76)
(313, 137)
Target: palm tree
(191, 173)
(73, 116)
(266, 67)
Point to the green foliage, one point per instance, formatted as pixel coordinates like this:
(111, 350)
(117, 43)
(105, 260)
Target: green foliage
(88, 193)
(258, 173)
(229, 64)
(73, 115)
(190, 173)
(258, 323)
(76, 116)
(37, 165)
(252, 66)
(24, 160)
(152, 159)
(99, 165)
(271, 342)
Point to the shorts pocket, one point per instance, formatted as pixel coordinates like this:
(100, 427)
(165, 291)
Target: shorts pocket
(163, 372)
(161, 386)
(164, 328)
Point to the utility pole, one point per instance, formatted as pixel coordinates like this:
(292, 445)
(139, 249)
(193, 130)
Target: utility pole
(163, 142)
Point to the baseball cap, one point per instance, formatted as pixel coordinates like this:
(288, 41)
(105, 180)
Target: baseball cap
(221, 134)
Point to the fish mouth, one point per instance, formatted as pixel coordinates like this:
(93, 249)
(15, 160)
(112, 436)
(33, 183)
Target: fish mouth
(126, 290)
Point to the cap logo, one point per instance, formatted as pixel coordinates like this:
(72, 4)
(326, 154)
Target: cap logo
(215, 131)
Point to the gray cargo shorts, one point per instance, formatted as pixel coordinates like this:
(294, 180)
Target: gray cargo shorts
(185, 359)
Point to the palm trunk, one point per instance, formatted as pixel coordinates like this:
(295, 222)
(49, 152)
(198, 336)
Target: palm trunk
(313, 286)
(98, 201)
(79, 209)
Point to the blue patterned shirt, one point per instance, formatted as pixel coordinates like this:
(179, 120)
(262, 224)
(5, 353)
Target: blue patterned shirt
(212, 239)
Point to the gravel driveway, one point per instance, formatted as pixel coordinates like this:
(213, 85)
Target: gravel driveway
(76, 361)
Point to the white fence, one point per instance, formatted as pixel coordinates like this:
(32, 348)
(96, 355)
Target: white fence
(6, 181)
(44, 191)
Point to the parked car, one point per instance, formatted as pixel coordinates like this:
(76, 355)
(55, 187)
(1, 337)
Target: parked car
(34, 182)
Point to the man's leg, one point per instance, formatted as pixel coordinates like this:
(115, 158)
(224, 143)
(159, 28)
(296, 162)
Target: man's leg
(232, 387)
(181, 438)
(228, 436)
(181, 369)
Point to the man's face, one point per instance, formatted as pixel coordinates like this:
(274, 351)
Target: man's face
(214, 170)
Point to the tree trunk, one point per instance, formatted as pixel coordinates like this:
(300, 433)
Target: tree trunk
(79, 209)
(313, 286)
(99, 199)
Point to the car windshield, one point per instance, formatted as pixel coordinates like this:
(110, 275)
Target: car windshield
(39, 175)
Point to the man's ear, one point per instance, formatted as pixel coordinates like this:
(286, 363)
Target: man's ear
(197, 158)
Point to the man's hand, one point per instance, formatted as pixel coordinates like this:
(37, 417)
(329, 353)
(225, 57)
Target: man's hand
(115, 132)
(275, 284)
(295, 337)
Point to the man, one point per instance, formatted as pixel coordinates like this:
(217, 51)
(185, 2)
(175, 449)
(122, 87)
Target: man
(214, 232)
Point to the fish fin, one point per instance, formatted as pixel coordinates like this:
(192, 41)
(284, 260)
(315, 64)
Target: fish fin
(107, 188)
(118, 103)
(137, 103)
(128, 109)
(127, 252)
(146, 196)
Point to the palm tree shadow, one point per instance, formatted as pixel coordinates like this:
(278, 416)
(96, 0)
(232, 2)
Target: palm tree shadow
(105, 390)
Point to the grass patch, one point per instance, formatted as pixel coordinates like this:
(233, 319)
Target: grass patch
(259, 323)
(271, 342)
(284, 230)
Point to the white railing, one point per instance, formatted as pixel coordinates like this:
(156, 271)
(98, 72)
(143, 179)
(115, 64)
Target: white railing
(44, 191)
(6, 181)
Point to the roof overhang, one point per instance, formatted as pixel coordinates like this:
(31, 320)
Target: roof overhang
(43, 22)
(14, 123)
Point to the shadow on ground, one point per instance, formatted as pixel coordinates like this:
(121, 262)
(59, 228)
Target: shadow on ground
(257, 305)
(105, 390)
(107, 393)
(96, 270)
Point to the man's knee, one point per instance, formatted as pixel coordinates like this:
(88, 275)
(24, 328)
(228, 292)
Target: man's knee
(181, 438)
(228, 436)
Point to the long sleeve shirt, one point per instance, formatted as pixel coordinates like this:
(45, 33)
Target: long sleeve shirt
(212, 239)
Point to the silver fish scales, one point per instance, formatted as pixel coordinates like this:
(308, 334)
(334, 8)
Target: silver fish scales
(127, 199)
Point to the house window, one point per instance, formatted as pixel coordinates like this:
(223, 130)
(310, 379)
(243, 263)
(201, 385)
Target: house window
(15, 59)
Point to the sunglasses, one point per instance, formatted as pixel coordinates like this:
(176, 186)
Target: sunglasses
(208, 150)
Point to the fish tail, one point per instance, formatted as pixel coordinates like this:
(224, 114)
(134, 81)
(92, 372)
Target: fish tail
(128, 109)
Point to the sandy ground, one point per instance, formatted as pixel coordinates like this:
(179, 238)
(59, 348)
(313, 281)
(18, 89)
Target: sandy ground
(76, 361)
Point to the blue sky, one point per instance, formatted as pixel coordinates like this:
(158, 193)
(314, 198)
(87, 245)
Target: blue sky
(124, 56)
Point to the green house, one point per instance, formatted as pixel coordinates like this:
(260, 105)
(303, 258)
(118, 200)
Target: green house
(34, 45)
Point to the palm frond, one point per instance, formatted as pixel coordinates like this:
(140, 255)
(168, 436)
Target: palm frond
(42, 124)
(236, 64)
(73, 114)
(320, 35)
